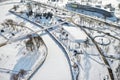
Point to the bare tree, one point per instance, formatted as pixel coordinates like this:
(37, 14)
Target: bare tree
(118, 71)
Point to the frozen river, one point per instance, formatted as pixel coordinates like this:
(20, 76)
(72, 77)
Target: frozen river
(56, 66)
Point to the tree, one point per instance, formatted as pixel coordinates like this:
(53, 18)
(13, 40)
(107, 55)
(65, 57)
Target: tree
(118, 19)
(119, 5)
(15, 7)
(118, 72)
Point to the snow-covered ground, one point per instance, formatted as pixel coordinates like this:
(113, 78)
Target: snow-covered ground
(11, 55)
(90, 64)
